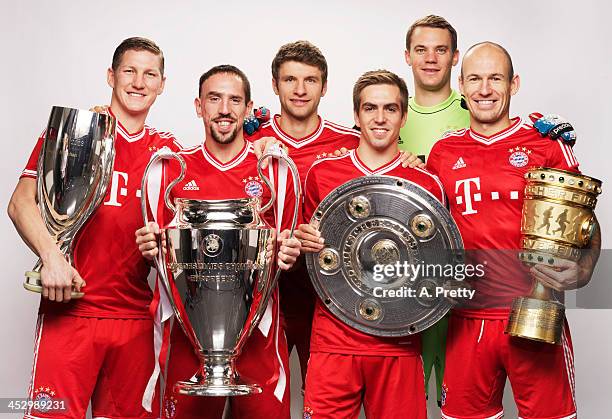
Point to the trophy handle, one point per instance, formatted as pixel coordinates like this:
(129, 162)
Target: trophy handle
(163, 153)
(279, 153)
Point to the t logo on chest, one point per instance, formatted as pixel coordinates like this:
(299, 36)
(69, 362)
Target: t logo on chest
(468, 191)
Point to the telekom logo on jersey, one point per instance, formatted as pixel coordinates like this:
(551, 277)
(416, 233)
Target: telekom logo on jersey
(118, 188)
(468, 192)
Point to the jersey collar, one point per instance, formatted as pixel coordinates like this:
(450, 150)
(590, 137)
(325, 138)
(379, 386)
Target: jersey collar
(515, 125)
(295, 142)
(130, 138)
(369, 172)
(239, 158)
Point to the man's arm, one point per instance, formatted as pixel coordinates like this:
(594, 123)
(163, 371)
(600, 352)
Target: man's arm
(572, 275)
(57, 275)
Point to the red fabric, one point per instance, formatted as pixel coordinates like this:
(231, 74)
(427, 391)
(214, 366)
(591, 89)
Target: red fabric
(479, 357)
(105, 252)
(328, 333)
(484, 180)
(100, 364)
(327, 138)
(389, 387)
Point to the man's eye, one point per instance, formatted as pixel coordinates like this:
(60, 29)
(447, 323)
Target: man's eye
(420, 50)
(128, 71)
(441, 50)
(151, 74)
(236, 101)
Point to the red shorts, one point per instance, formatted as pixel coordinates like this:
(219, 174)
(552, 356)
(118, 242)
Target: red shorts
(80, 358)
(388, 386)
(258, 362)
(297, 302)
(479, 357)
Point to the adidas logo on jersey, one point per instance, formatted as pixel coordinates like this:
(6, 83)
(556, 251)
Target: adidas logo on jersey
(191, 186)
(459, 164)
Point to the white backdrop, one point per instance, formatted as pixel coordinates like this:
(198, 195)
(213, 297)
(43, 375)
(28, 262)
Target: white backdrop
(57, 53)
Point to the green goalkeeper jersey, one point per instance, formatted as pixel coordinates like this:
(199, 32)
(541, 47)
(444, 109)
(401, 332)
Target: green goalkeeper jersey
(427, 124)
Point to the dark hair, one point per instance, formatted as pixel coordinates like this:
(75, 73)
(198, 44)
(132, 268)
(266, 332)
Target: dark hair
(229, 69)
(302, 52)
(375, 77)
(433, 21)
(137, 44)
(502, 49)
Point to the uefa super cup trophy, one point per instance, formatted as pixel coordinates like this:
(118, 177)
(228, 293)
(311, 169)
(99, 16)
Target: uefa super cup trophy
(74, 169)
(557, 222)
(217, 277)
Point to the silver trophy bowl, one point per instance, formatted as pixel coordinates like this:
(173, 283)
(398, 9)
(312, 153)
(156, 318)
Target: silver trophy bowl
(218, 279)
(74, 170)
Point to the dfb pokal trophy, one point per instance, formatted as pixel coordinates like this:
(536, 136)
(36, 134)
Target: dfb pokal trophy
(74, 170)
(217, 276)
(557, 223)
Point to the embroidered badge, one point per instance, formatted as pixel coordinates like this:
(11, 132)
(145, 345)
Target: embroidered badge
(170, 407)
(519, 156)
(308, 412)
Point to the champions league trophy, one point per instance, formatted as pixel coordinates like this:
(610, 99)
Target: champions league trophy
(382, 221)
(217, 277)
(557, 222)
(74, 169)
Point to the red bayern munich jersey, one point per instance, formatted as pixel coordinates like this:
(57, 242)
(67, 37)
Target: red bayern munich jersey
(327, 138)
(484, 179)
(208, 178)
(105, 251)
(328, 333)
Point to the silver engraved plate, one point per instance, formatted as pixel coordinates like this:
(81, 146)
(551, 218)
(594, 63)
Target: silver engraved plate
(376, 221)
(74, 170)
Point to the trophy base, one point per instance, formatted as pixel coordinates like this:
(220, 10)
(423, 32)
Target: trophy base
(538, 320)
(205, 388)
(33, 283)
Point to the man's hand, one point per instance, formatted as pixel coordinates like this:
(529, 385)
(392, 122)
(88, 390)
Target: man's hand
(310, 238)
(568, 275)
(554, 127)
(262, 145)
(411, 160)
(100, 109)
(146, 239)
(289, 251)
(341, 152)
(59, 278)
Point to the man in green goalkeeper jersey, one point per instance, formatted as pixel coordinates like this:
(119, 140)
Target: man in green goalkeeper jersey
(435, 109)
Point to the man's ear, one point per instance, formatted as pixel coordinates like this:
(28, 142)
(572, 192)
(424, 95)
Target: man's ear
(110, 77)
(198, 106)
(275, 86)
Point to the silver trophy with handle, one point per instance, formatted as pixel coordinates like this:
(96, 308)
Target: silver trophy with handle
(74, 170)
(217, 276)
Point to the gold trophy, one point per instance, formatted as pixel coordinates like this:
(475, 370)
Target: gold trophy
(557, 222)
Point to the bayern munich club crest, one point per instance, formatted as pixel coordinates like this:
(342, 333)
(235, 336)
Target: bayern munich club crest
(42, 397)
(253, 186)
(443, 396)
(519, 156)
(308, 412)
(170, 408)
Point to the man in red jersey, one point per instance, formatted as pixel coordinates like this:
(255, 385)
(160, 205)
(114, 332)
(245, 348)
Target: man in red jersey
(348, 367)
(299, 79)
(224, 166)
(84, 349)
(482, 169)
